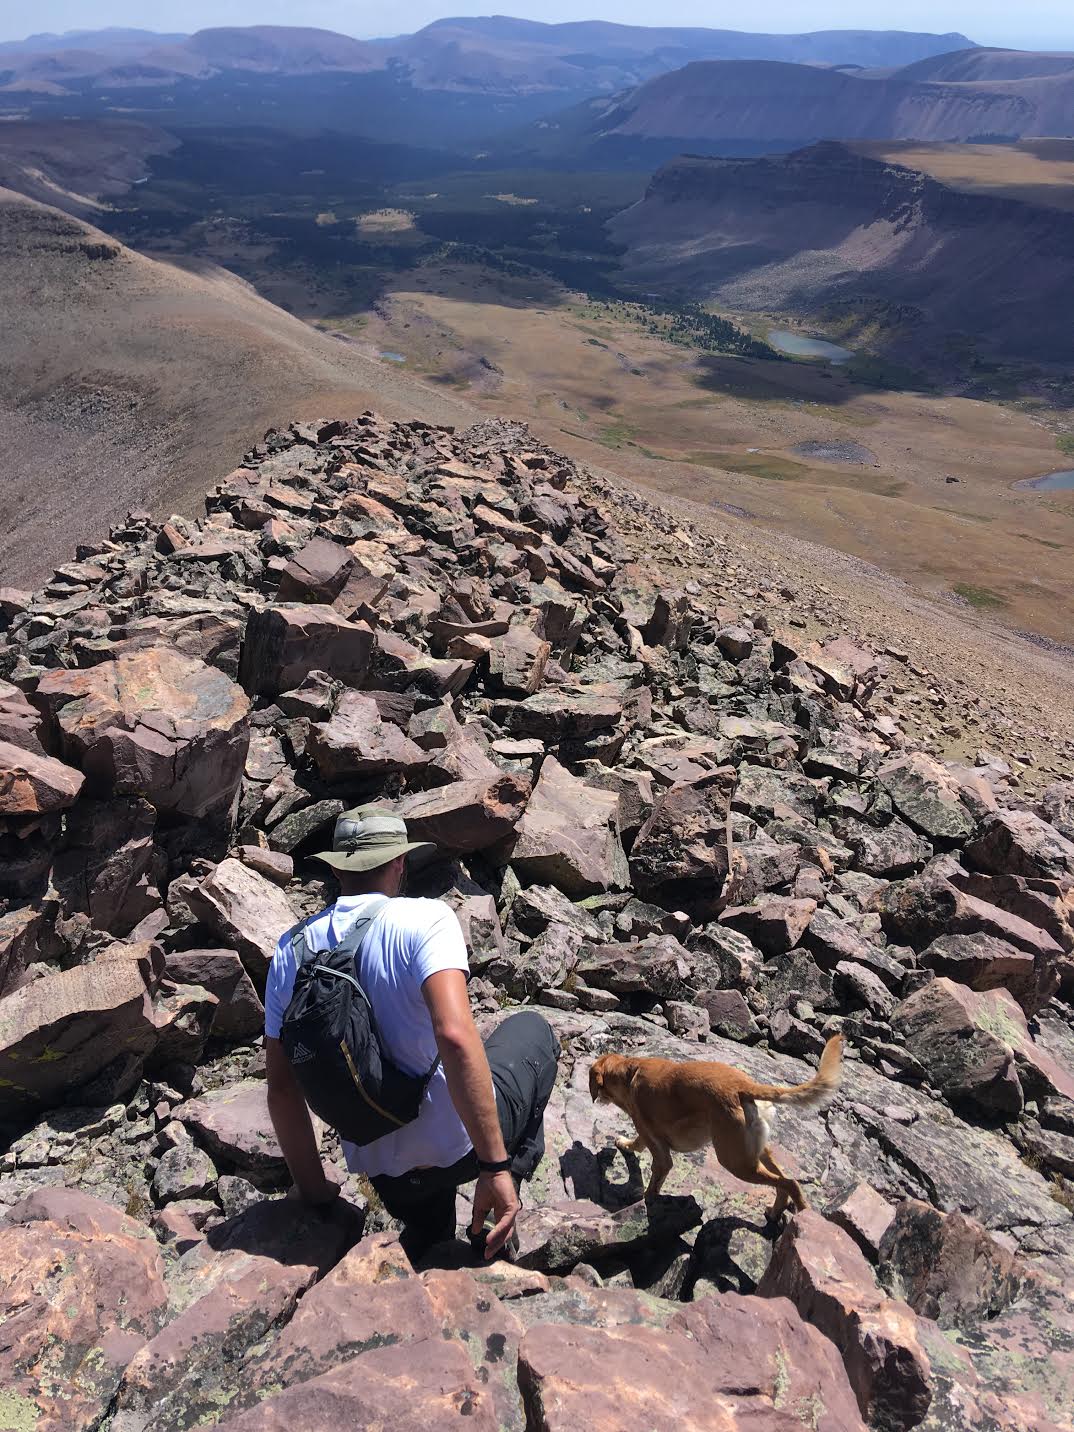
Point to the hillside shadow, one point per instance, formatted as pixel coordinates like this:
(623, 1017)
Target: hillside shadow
(761, 380)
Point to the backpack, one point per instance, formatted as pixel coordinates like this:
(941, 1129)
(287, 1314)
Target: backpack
(330, 1037)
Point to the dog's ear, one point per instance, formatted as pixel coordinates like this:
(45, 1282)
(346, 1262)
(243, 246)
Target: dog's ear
(596, 1080)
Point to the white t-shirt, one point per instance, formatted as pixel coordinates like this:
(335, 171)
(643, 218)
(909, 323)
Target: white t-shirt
(408, 941)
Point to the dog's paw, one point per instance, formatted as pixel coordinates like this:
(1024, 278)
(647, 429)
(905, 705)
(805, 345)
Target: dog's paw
(625, 1145)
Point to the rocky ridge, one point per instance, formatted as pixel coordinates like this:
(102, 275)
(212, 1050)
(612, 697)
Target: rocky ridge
(669, 818)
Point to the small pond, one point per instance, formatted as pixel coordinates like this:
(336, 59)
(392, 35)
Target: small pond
(1050, 482)
(799, 346)
(393, 357)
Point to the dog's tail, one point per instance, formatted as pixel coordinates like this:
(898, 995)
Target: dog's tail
(817, 1090)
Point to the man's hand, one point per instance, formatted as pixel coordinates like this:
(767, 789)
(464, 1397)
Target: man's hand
(316, 1195)
(496, 1194)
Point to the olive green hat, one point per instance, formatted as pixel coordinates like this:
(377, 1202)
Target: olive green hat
(368, 837)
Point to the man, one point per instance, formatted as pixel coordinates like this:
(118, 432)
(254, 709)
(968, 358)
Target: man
(482, 1114)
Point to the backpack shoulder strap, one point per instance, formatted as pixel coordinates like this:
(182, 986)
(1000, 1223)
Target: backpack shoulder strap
(300, 944)
(352, 941)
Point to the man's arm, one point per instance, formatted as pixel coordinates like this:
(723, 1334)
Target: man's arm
(294, 1128)
(469, 1083)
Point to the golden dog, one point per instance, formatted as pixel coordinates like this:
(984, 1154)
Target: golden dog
(681, 1107)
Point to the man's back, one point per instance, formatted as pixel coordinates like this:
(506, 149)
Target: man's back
(407, 941)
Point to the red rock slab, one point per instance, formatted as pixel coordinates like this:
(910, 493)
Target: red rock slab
(33, 784)
(20, 722)
(632, 1379)
(820, 1269)
(468, 815)
(153, 723)
(569, 836)
(60, 1031)
(283, 643)
(355, 741)
(423, 1386)
(233, 1124)
(81, 1292)
(370, 1299)
(226, 1293)
(789, 1361)
(244, 909)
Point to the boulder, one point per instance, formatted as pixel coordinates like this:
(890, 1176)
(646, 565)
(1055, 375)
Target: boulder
(283, 643)
(723, 958)
(273, 864)
(32, 783)
(516, 661)
(156, 724)
(22, 932)
(560, 714)
(982, 962)
(728, 1014)
(183, 1015)
(924, 793)
(790, 1362)
(1057, 807)
(948, 1268)
(547, 964)
(184, 1171)
(227, 1292)
(239, 1014)
(818, 1267)
(66, 1028)
(680, 855)
(233, 1124)
(866, 1216)
(105, 866)
(20, 722)
(356, 742)
(775, 923)
(466, 816)
(658, 965)
(1017, 842)
(399, 665)
(371, 1298)
(631, 1379)
(318, 572)
(916, 912)
(831, 940)
(568, 836)
(245, 910)
(82, 1287)
(964, 1040)
(890, 850)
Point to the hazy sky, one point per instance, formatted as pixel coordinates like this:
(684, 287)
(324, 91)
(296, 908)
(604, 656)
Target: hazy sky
(1045, 24)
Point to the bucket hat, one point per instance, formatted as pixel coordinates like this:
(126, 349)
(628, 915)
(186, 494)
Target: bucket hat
(368, 837)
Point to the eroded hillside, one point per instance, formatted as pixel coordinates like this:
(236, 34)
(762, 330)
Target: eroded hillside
(125, 381)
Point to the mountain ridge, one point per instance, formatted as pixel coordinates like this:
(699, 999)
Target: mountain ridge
(491, 54)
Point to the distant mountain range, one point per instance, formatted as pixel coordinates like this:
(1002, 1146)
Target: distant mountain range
(495, 55)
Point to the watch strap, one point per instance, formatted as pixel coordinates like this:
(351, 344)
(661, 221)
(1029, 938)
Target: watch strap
(493, 1165)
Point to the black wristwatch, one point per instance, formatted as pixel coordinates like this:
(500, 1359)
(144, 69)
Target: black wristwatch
(493, 1165)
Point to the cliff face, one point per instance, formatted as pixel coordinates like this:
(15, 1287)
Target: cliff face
(799, 230)
(727, 102)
